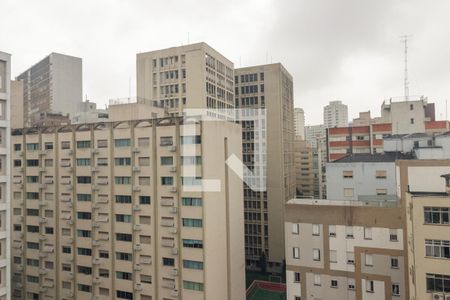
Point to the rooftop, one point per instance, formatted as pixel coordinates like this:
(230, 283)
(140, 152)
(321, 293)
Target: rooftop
(367, 157)
(330, 202)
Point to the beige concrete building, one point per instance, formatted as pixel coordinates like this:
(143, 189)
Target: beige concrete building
(299, 122)
(307, 181)
(268, 87)
(52, 85)
(187, 77)
(5, 171)
(121, 210)
(17, 104)
(344, 250)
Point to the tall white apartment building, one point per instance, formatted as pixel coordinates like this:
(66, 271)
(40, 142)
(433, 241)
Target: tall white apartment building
(314, 134)
(299, 122)
(335, 114)
(121, 210)
(53, 85)
(5, 169)
(187, 77)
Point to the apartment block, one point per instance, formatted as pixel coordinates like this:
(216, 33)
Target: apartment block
(429, 251)
(344, 250)
(299, 122)
(5, 169)
(335, 114)
(267, 87)
(53, 85)
(306, 166)
(187, 77)
(142, 209)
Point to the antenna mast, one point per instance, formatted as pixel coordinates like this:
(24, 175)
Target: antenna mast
(406, 82)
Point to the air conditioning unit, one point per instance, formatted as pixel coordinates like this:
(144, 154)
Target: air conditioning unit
(175, 251)
(174, 272)
(136, 188)
(96, 243)
(350, 261)
(137, 247)
(173, 230)
(136, 208)
(174, 293)
(173, 189)
(136, 150)
(136, 169)
(138, 287)
(173, 210)
(137, 267)
(438, 296)
(137, 227)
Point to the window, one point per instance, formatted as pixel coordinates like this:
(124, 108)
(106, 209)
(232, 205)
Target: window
(144, 200)
(436, 215)
(168, 261)
(349, 232)
(83, 233)
(295, 228)
(369, 259)
(83, 144)
(192, 222)
(350, 258)
(369, 286)
(296, 252)
(188, 243)
(334, 283)
(124, 295)
(368, 233)
(297, 277)
(32, 196)
(123, 218)
(84, 215)
(166, 141)
(166, 160)
(144, 161)
(317, 279)
(381, 174)
(66, 249)
(333, 256)
(17, 147)
(192, 264)
(84, 270)
(146, 279)
(32, 146)
(316, 254)
(332, 230)
(347, 174)
(32, 279)
(348, 192)
(191, 180)
(122, 180)
(194, 139)
(32, 163)
(84, 197)
(123, 199)
(381, 192)
(125, 237)
(395, 289)
(103, 254)
(65, 145)
(145, 220)
(438, 283)
(122, 143)
(394, 263)
(84, 288)
(190, 285)
(351, 283)
(124, 275)
(102, 162)
(102, 143)
(315, 229)
(122, 161)
(191, 160)
(84, 251)
(393, 235)
(412, 120)
(411, 107)
(437, 248)
(84, 179)
(144, 180)
(191, 201)
(166, 180)
(143, 141)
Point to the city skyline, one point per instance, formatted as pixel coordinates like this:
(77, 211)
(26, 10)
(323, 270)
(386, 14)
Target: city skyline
(363, 64)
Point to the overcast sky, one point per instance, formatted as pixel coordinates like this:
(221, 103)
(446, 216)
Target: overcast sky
(346, 50)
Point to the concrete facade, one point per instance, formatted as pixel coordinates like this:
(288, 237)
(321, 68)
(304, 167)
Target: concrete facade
(344, 250)
(5, 172)
(306, 165)
(114, 210)
(268, 87)
(405, 116)
(187, 77)
(53, 85)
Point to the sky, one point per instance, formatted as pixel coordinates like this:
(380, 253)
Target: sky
(347, 50)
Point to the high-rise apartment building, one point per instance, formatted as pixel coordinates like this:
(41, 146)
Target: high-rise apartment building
(187, 77)
(335, 114)
(299, 122)
(268, 87)
(5, 168)
(314, 134)
(125, 210)
(53, 85)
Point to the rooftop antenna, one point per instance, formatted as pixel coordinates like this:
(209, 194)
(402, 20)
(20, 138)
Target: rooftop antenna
(188, 38)
(404, 39)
